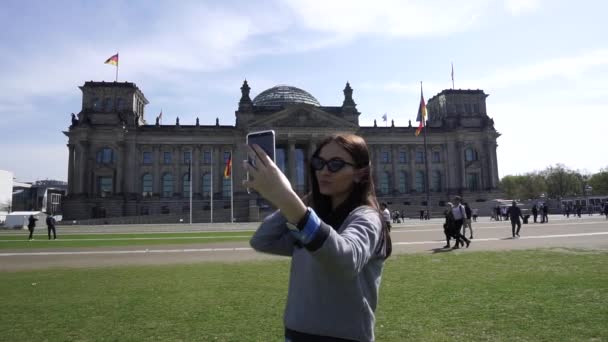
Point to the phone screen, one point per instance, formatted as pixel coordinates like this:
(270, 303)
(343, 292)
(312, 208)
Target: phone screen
(265, 140)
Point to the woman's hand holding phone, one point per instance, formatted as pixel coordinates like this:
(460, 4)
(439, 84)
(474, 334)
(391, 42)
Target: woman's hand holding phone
(268, 180)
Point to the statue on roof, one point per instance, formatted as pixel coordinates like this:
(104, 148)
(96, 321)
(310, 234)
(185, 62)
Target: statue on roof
(177, 121)
(217, 121)
(74, 120)
(375, 124)
(197, 122)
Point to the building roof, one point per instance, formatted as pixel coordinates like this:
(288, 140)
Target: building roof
(283, 95)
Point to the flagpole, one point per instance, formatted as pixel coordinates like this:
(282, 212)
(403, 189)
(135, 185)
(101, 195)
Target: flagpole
(211, 205)
(190, 176)
(117, 66)
(426, 165)
(452, 75)
(231, 192)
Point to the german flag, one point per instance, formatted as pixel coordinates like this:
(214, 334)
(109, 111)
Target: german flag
(112, 60)
(422, 114)
(228, 168)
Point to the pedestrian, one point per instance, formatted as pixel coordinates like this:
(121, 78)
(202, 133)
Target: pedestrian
(459, 217)
(535, 212)
(386, 214)
(475, 214)
(422, 214)
(606, 210)
(336, 238)
(467, 221)
(31, 225)
(545, 213)
(514, 214)
(50, 225)
(447, 225)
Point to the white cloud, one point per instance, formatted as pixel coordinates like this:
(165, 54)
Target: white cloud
(572, 67)
(392, 17)
(518, 7)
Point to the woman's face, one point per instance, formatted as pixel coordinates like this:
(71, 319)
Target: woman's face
(339, 184)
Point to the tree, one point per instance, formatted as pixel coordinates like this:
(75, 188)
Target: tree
(599, 182)
(528, 186)
(561, 181)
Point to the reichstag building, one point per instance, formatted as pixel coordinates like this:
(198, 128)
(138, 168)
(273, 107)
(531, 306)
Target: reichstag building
(126, 167)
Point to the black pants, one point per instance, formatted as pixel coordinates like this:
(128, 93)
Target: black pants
(296, 336)
(456, 233)
(535, 216)
(54, 232)
(31, 229)
(513, 224)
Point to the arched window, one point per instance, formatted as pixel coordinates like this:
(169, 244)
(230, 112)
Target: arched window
(226, 190)
(470, 154)
(105, 156)
(186, 185)
(146, 184)
(403, 182)
(206, 185)
(167, 185)
(420, 183)
(107, 105)
(436, 181)
(385, 180)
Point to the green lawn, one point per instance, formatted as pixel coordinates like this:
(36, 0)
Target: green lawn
(474, 296)
(105, 240)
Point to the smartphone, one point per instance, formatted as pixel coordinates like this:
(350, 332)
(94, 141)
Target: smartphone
(264, 139)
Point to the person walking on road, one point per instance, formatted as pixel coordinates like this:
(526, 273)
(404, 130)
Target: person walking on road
(545, 216)
(31, 225)
(459, 216)
(514, 214)
(50, 225)
(535, 212)
(467, 221)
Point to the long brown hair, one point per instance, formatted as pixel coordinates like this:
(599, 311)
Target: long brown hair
(363, 192)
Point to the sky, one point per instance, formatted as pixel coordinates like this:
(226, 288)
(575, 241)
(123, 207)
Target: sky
(544, 65)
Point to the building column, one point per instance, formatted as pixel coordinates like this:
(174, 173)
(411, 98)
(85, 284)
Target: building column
(218, 169)
(120, 168)
(291, 166)
(71, 179)
(494, 159)
(412, 162)
(394, 159)
(86, 172)
(461, 165)
(156, 176)
(196, 169)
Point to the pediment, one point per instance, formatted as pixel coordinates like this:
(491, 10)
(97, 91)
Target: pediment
(303, 116)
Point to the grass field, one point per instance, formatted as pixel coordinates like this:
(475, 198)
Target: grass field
(107, 240)
(479, 296)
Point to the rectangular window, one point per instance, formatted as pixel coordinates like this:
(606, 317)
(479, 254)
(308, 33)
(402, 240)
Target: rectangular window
(472, 181)
(436, 157)
(386, 157)
(419, 157)
(226, 156)
(167, 157)
(467, 108)
(476, 108)
(402, 157)
(147, 158)
(187, 157)
(206, 157)
(104, 184)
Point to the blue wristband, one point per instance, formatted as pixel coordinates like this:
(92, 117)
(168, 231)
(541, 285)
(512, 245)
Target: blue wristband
(311, 227)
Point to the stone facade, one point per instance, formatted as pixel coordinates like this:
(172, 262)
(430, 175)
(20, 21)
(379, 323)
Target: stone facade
(120, 165)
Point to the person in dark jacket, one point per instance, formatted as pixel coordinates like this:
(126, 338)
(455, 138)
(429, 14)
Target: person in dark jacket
(31, 225)
(50, 225)
(514, 214)
(467, 221)
(535, 212)
(545, 210)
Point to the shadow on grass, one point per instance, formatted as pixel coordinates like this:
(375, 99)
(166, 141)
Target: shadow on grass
(440, 250)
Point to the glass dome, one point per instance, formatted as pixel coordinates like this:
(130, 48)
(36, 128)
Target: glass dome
(283, 95)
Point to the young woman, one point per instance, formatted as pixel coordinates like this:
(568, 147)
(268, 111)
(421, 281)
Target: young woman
(336, 238)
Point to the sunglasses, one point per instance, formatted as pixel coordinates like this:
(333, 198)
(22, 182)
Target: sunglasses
(333, 165)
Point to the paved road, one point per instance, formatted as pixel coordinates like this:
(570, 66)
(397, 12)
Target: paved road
(410, 237)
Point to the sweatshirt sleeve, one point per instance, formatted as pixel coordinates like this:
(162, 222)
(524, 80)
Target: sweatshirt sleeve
(273, 237)
(349, 251)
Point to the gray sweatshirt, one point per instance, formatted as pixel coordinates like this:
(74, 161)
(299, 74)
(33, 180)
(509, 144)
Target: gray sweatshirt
(334, 280)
